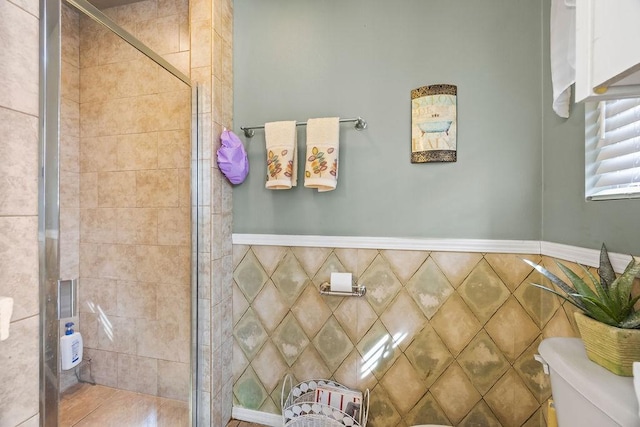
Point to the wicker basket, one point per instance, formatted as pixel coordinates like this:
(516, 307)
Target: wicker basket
(612, 348)
(299, 409)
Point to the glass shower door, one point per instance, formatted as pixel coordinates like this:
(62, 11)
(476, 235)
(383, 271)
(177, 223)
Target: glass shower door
(125, 229)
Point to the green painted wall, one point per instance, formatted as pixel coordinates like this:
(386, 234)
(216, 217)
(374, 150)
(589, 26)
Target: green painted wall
(305, 58)
(567, 217)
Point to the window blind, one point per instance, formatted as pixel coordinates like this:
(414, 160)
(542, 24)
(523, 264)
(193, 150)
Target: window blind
(612, 160)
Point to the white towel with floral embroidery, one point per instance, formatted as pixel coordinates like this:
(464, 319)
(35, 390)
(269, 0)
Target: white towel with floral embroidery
(282, 159)
(321, 163)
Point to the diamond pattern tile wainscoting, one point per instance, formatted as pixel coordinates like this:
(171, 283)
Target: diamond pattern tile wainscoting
(440, 337)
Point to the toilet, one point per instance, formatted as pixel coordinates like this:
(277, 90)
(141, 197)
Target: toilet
(584, 393)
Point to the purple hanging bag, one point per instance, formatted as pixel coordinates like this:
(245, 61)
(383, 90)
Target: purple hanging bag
(232, 158)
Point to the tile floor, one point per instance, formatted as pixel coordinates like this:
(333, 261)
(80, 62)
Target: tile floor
(87, 405)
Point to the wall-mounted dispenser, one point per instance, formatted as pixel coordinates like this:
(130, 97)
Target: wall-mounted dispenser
(70, 347)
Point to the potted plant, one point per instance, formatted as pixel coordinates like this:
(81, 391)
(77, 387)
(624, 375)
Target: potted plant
(607, 321)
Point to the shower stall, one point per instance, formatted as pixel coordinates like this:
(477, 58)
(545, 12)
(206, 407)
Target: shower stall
(125, 206)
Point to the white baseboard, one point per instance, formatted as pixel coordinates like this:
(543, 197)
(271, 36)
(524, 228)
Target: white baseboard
(569, 253)
(252, 416)
(590, 257)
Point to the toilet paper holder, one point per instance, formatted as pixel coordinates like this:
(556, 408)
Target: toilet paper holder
(356, 291)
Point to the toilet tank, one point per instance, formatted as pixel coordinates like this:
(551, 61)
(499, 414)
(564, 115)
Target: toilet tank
(586, 394)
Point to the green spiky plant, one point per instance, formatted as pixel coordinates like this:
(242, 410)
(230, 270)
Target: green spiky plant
(610, 301)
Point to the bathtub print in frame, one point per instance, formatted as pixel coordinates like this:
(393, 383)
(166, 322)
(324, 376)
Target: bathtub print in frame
(433, 124)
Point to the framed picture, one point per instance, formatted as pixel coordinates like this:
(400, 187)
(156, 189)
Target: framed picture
(434, 123)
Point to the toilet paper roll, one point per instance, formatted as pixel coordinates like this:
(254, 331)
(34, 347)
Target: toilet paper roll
(6, 308)
(341, 282)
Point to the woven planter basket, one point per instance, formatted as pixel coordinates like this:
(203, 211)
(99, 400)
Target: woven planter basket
(612, 348)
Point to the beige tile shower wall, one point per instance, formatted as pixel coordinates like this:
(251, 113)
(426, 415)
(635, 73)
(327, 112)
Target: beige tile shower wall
(18, 210)
(135, 236)
(68, 160)
(211, 24)
(439, 338)
(69, 144)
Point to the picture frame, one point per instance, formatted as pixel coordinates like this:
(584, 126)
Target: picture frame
(434, 124)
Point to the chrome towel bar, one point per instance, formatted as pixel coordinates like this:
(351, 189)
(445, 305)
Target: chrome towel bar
(360, 124)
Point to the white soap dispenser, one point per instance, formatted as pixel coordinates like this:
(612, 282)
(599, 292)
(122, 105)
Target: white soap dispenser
(70, 347)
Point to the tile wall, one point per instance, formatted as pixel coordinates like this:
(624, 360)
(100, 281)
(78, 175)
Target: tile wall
(211, 68)
(19, 356)
(69, 166)
(70, 144)
(440, 337)
(18, 210)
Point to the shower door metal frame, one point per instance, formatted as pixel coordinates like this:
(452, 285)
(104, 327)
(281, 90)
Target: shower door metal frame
(196, 241)
(94, 13)
(49, 198)
(49, 207)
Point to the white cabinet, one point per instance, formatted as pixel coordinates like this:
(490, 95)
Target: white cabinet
(607, 49)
